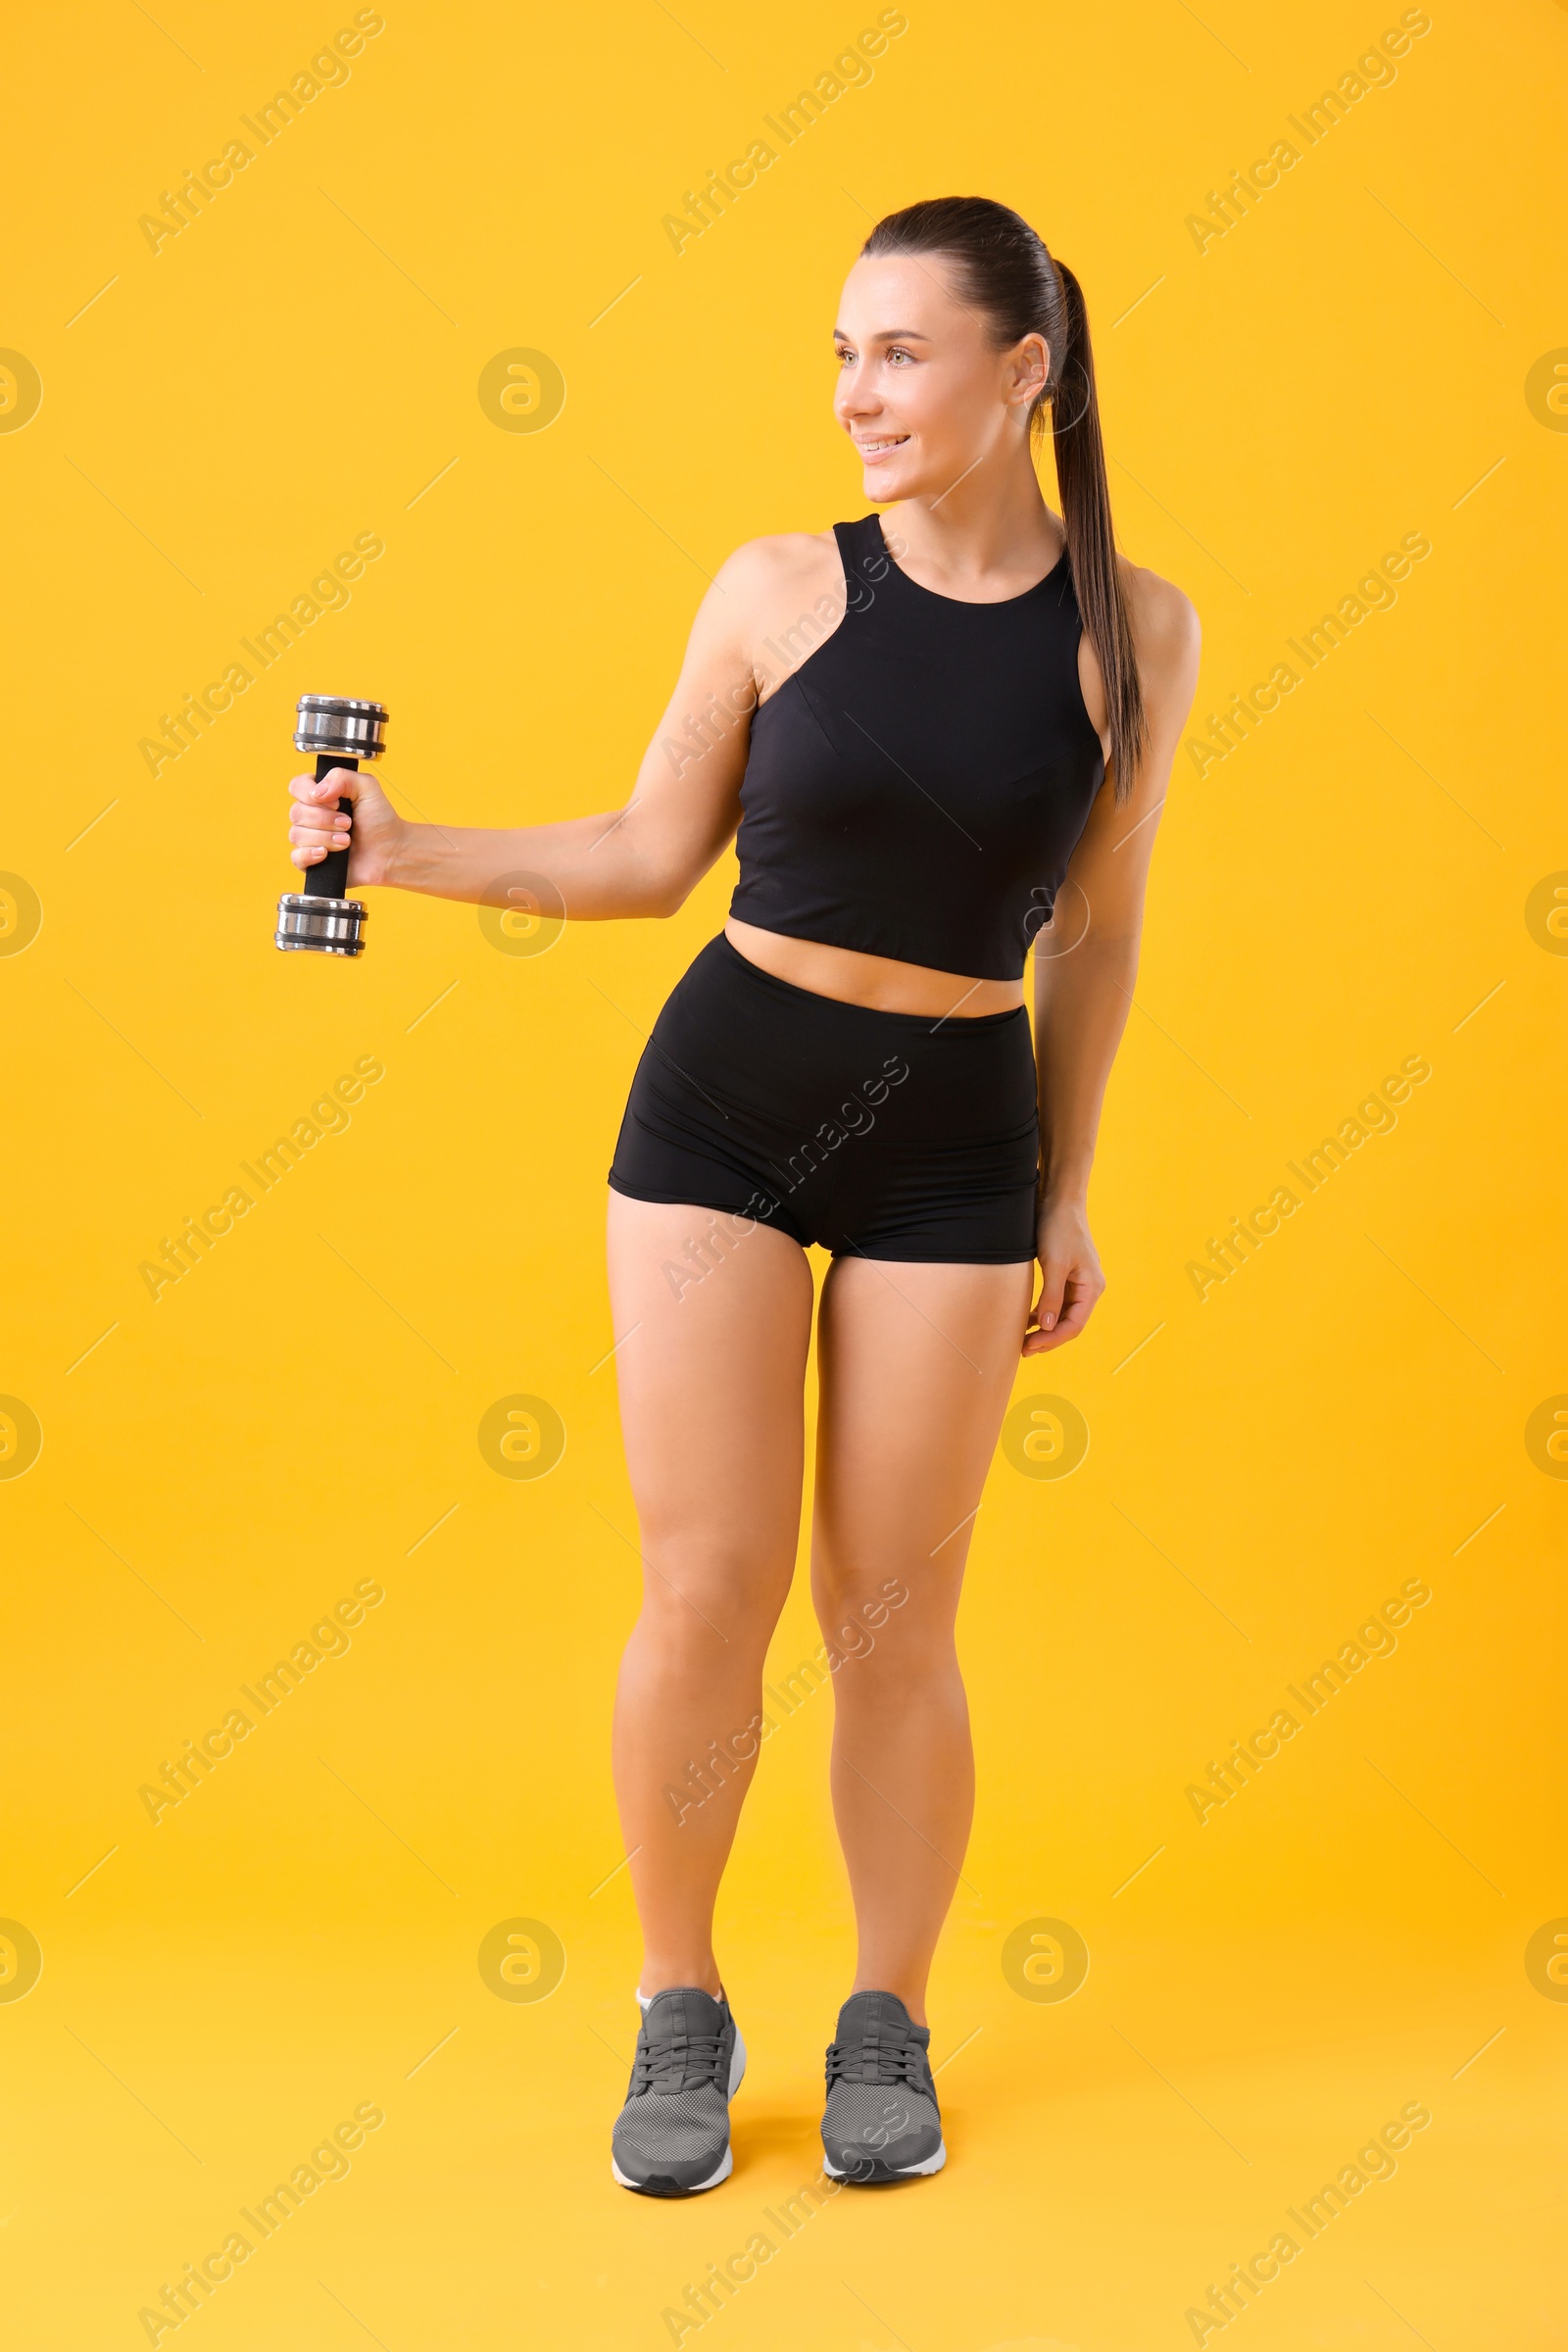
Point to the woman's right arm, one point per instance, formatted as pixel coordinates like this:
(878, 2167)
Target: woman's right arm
(645, 858)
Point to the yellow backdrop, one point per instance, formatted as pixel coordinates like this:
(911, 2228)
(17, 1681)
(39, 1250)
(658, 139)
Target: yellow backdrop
(440, 357)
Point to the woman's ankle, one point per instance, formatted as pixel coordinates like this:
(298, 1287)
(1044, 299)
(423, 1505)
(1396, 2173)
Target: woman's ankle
(902, 1989)
(663, 1978)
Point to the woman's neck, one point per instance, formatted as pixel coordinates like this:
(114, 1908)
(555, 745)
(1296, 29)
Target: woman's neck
(993, 529)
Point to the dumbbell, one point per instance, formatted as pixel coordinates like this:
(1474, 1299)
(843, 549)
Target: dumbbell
(319, 917)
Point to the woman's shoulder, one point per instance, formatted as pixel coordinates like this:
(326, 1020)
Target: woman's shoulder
(1165, 623)
(784, 561)
(783, 595)
(1168, 641)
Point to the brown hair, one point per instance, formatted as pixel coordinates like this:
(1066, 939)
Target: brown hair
(1004, 271)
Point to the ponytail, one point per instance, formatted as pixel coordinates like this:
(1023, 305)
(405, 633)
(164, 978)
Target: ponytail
(1007, 272)
(1080, 454)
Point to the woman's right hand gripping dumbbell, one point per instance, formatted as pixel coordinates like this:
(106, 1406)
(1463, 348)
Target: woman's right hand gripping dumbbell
(371, 832)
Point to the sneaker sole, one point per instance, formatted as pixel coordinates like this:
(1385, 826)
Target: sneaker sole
(726, 2162)
(888, 2172)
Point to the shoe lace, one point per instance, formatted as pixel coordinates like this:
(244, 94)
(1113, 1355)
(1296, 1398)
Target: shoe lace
(875, 2059)
(691, 2059)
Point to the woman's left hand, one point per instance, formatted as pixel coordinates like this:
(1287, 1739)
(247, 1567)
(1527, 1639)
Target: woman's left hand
(1071, 1277)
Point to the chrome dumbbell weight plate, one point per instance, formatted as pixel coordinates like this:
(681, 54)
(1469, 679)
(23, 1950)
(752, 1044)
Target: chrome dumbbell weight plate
(332, 724)
(329, 926)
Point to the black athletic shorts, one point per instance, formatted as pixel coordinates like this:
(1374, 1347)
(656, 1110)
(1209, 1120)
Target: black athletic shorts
(884, 1134)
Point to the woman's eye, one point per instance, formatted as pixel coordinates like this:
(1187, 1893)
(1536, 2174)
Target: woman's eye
(844, 355)
(898, 353)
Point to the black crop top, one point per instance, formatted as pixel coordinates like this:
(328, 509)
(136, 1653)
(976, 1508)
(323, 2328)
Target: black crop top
(916, 787)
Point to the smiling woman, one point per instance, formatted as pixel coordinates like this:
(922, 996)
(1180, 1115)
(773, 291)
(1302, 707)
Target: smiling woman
(916, 729)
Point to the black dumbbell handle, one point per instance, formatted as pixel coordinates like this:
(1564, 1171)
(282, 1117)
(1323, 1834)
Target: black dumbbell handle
(329, 879)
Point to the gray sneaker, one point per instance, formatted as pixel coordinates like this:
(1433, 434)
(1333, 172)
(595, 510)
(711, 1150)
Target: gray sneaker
(671, 2139)
(882, 2121)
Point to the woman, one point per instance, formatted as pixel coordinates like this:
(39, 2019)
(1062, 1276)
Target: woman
(938, 733)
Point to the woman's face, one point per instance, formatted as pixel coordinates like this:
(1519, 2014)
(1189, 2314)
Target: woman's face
(922, 391)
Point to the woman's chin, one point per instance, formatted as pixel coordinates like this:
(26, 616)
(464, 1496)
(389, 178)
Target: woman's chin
(891, 482)
(884, 483)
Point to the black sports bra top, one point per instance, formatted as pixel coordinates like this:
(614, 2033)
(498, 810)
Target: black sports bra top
(916, 787)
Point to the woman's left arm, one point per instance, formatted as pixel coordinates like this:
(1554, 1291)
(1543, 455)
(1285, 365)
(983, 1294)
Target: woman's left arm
(1086, 961)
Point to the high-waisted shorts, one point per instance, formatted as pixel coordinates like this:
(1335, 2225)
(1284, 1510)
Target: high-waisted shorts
(884, 1135)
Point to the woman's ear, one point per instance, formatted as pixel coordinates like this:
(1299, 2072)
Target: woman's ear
(1031, 369)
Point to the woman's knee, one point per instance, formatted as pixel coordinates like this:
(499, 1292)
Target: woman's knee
(702, 1599)
(859, 1615)
(906, 1657)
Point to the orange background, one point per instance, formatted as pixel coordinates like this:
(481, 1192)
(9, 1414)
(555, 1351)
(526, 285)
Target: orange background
(1367, 877)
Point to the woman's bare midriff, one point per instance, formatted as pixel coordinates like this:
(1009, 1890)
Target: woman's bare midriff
(875, 981)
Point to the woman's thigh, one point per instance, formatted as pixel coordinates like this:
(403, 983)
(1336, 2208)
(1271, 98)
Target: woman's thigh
(916, 1365)
(711, 1316)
